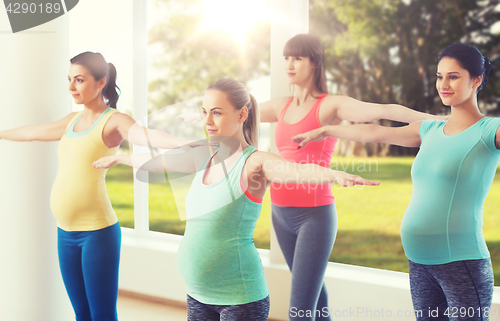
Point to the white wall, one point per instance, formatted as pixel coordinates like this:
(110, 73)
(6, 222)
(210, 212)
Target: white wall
(148, 266)
(33, 90)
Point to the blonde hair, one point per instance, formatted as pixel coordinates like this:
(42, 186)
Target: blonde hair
(238, 96)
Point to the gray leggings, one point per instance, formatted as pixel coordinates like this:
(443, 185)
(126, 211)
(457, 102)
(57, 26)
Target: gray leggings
(253, 311)
(306, 236)
(461, 290)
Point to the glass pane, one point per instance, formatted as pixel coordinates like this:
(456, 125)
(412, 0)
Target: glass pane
(191, 45)
(380, 53)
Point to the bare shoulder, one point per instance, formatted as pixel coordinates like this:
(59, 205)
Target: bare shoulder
(408, 135)
(70, 115)
(66, 119)
(120, 118)
(275, 103)
(328, 113)
(336, 100)
(256, 163)
(497, 138)
(271, 109)
(259, 158)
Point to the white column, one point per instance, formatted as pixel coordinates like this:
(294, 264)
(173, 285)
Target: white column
(33, 90)
(290, 17)
(140, 111)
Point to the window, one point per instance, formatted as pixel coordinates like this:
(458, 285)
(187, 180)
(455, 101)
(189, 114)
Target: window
(190, 46)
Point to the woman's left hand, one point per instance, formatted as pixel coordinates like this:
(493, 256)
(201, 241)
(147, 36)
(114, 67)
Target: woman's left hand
(314, 135)
(346, 180)
(106, 162)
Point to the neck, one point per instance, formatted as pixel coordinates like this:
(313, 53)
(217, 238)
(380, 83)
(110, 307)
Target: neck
(466, 112)
(95, 106)
(306, 90)
(303, 94)
(231, 146)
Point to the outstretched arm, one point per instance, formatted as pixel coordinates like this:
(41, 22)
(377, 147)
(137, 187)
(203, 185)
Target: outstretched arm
(45, 132)
(182, 162)
(130, 130)
(276, 170)
(407, 136)
(347, 108)
(270, 110)
(155, 164)
(497, 138)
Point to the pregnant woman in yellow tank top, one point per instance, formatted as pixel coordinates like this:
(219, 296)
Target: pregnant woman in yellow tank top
(89, 235)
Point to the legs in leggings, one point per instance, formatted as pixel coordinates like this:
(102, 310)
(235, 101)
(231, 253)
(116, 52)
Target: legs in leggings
(89, 263)
(253, 311)
(460, 290)
(306, 236)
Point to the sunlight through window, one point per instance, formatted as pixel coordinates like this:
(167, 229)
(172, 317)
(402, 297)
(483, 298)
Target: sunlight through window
(234, 16)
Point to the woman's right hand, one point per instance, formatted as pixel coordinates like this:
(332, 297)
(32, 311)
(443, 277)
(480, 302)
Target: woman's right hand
(107, 162)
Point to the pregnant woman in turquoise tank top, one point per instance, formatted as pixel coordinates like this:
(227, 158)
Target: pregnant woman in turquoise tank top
(450, 269)
(217, 257)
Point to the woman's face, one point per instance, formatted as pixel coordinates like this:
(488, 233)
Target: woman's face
(454, 83)
(82, 85)
(299, 70)
(220, 117)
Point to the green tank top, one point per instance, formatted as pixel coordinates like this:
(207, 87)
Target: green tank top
(451, 176)
(217, 257)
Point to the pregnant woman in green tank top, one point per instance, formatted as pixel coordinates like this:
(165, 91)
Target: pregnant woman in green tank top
(217, 257)
(450, 268)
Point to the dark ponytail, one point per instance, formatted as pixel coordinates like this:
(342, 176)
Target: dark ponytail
(238, 96)
(488, 71)
(109, 92)
(99, 68)
(471, 59)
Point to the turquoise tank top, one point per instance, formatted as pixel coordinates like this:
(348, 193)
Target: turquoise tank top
(452, 175)
(217, 257)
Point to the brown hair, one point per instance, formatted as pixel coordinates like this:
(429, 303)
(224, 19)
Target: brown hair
(99, 68)
(309, 45)
(238, 97)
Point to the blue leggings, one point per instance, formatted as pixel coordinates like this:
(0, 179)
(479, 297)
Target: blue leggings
(89, 266)
(253, 311)
(306, 236)
(461, 290)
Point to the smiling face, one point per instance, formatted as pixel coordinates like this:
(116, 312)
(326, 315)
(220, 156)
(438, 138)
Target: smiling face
(299, 70)
(220, 117)
(454, 83)
(82, 86)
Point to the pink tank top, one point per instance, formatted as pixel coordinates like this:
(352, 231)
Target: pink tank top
(320, 153)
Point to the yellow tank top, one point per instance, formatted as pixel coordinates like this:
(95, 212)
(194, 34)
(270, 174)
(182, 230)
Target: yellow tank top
(79, 200)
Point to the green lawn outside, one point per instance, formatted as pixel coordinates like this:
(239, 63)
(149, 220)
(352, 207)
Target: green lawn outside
(369, 217)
